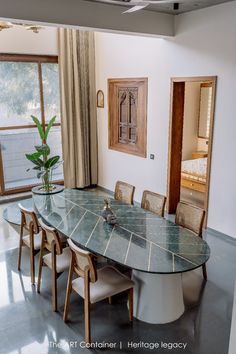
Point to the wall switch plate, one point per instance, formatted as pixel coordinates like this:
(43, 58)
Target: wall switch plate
(152, 156)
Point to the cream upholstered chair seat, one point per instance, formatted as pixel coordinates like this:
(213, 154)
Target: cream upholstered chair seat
(62, 260)
(192, 218)
(153, 202)
(37, 241)
(109, 282)
(29, 224)
(94, 284)
(57, 260)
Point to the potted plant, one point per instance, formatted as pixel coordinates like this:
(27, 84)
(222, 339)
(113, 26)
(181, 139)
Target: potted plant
(44, 164)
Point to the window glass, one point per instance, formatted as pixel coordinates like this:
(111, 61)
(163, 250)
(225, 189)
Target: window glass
(51, 91)
(19, 93)
(20, 97)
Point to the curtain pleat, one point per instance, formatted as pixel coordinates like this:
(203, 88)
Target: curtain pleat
(78, 107)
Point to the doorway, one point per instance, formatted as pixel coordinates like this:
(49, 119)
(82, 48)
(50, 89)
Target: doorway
(192, 98)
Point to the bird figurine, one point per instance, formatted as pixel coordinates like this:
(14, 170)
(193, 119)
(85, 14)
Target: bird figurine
(108, 214)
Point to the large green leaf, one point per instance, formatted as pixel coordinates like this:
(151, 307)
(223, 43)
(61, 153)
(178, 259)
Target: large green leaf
(44, 149)
(52, 161)
(33, 157)
(38, 162)
(40, 128)
(50, 124)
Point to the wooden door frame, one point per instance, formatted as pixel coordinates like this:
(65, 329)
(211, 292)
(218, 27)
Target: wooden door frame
(177, 94)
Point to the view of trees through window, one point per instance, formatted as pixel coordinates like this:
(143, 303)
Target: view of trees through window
(28, 86)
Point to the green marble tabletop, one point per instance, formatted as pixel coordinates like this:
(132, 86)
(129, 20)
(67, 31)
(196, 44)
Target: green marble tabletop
(140, 240)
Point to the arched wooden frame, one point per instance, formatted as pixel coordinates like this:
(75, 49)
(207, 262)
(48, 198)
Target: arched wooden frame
(100, 99)
(134, 140)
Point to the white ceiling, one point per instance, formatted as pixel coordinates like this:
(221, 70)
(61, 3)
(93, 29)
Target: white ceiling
(184, 5)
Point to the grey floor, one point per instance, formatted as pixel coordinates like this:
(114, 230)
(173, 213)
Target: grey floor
(28, 325)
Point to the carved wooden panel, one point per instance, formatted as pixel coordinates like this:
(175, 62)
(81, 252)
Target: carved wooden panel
(127, 115)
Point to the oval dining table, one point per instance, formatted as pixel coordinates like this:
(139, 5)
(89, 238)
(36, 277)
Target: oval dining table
(157, 250)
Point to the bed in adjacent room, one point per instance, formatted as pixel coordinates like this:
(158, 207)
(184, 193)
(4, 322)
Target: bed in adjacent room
(193, 174)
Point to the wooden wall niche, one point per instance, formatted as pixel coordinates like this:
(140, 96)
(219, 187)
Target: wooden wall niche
(128, 115)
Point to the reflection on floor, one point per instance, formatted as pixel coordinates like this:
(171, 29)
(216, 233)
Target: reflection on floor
(192, 197)
(28, 324)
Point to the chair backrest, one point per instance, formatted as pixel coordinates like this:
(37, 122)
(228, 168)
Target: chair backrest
(83, 261)
(153, 202)
(49, 236)
(124, 192)
(29, 220)
(190, 216)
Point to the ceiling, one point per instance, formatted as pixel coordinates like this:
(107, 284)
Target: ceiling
(184, 5)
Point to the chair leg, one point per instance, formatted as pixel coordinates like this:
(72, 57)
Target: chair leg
(54, 286)
(40, 270)
(32, 266)
(54, 291)
(20, 246)
(87, 320)
(130, 301)
(87, 307)
(204, 271)
(32, 252)
(110, 300)
(68, 292)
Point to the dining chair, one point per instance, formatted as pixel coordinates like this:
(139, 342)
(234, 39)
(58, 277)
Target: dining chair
(124, 192)
(153, 202)
(29, 225)
(191, 217)
(94, 285)
(57, 258)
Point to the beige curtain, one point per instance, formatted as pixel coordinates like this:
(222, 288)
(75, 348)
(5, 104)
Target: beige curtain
(78, 107)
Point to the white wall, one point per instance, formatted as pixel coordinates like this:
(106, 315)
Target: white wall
(205, 44)
(191, 116)
(21, 41)
(126, 56)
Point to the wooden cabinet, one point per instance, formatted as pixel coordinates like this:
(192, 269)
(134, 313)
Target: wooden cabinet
(197, 186)
(199, 154)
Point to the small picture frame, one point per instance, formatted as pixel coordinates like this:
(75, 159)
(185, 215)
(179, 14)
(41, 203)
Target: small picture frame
(100, 99)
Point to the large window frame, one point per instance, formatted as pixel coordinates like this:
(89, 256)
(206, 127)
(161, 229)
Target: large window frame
(39, 59)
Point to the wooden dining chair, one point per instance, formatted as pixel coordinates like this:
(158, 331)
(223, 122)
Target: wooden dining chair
(153, 202)
(94, 285)
(124, 192)
(192, 218)
(58, 258)
(29, 225)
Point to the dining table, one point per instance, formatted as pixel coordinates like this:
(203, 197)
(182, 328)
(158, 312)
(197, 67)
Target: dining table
(157, 250)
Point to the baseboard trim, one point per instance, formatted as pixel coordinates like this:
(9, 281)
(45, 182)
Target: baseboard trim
(221, 235)
(108, 191)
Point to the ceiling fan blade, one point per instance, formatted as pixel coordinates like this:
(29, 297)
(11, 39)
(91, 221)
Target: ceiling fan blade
(136, 8)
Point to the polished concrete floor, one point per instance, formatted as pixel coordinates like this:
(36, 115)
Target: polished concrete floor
(28, 325)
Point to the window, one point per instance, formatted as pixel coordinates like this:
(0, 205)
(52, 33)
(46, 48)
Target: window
(128, 115)
(29, 85)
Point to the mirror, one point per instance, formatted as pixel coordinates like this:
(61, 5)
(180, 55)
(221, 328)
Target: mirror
(205, 110)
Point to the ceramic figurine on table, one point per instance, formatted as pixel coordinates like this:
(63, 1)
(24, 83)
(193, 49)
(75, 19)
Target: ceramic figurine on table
(108, 214)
